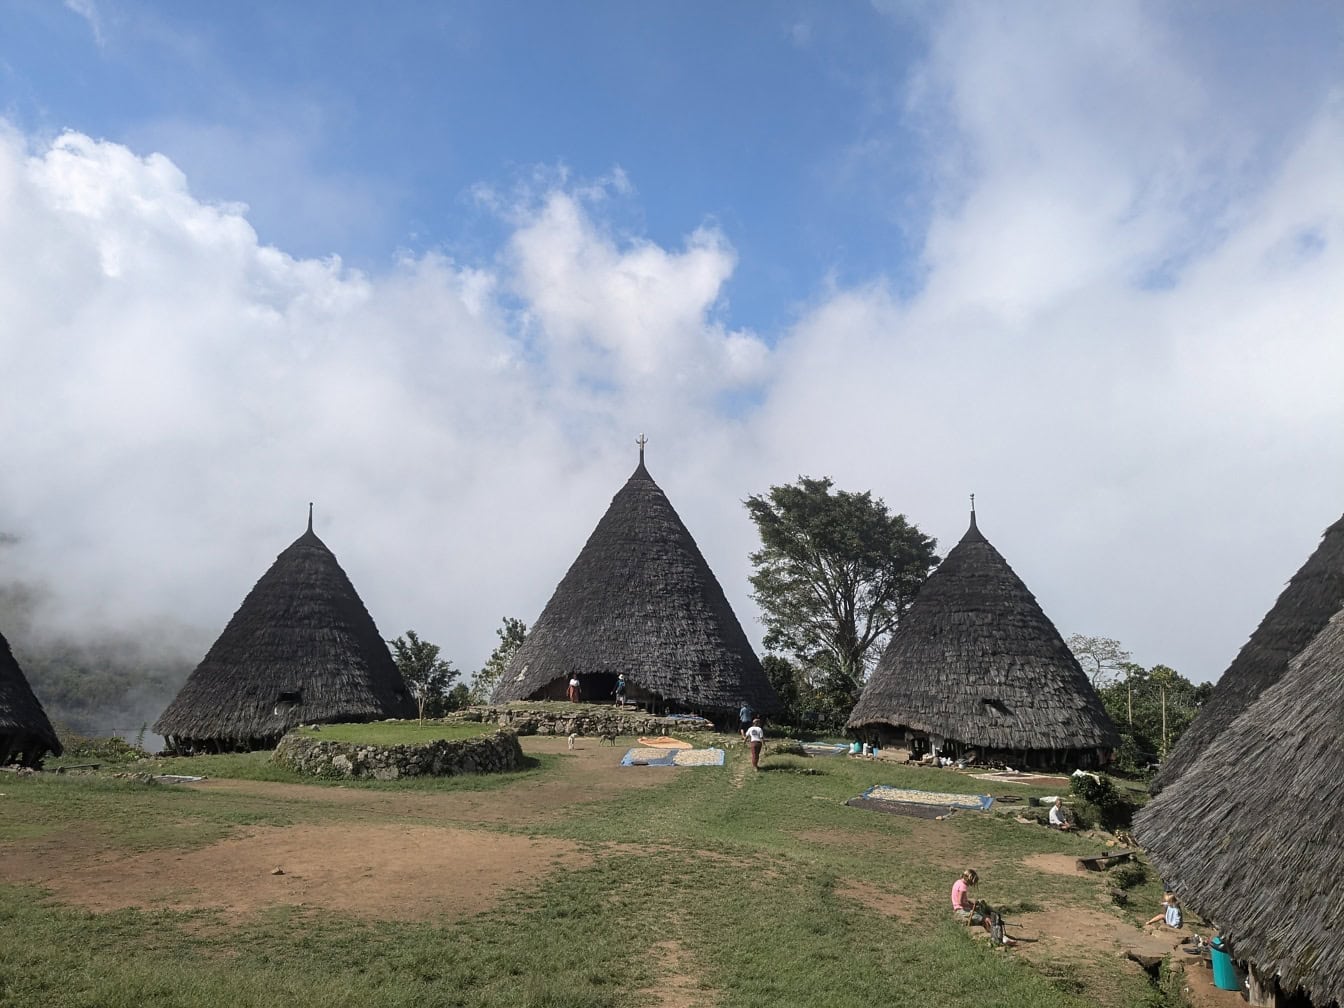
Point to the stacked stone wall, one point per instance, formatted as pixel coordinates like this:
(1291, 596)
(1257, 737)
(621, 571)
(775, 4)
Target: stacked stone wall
(573, 719)
(493, 753)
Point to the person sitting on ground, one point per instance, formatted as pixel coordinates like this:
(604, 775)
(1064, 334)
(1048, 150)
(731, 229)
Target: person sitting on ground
(1059, 819)
(977, 913)
(1171, 912)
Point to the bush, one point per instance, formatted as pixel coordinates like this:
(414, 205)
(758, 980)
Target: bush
(99, 750)
(1097, 798)
(1129, 875)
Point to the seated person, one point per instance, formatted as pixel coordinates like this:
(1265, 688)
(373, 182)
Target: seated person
(1171, 912)
(1059, 819)
(977, 913)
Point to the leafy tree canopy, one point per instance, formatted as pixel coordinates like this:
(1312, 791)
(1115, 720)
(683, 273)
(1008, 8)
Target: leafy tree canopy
(834, 573)
(427, 675)
(1102, 658)
(511, 633)
(1134, 700)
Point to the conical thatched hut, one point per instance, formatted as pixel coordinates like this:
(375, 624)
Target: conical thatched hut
(975, 666)
(1315, 593)
(641, 601)
(1249, 835)
(25, 733)
(300, 649)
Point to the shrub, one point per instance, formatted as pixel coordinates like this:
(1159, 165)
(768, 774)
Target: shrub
(1097, 798)
(1129, 875)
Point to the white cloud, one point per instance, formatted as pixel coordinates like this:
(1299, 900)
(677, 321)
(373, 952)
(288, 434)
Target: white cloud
(1127, 346)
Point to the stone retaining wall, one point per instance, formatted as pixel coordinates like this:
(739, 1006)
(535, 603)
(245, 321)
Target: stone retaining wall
(572, 719)
(492, 753)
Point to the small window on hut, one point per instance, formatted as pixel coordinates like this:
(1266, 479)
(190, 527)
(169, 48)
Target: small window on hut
(996, 706)
(287, 699)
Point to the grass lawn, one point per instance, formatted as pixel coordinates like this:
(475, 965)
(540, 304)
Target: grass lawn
(665, 887)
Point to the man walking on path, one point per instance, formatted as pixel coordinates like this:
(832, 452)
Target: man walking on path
(744, 717)
(755, 738)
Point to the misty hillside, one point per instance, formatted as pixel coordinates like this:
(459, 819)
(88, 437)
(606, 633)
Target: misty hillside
(111, 685)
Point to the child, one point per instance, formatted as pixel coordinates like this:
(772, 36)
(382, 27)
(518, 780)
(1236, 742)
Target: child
(977, 913)
(1171, 912)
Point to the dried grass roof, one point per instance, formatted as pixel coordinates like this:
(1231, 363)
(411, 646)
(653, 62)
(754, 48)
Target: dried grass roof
(1313, 595)
(1249, 836)
(640, 600)
(977, 661)
(301, 633)
(21, 714)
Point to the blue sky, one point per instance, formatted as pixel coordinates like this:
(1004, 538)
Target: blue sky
(437, 265)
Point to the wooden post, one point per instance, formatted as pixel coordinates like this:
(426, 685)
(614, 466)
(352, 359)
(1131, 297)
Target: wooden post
(1164, 721)
(1260, 990)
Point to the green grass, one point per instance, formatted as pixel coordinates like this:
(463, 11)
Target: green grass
(749, 884)
(396, 732)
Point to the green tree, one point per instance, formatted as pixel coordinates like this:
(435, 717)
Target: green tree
(789, 683)
(833, 576)
(426, 674)
(1102, 658)
(1136, 704)
(512, 632)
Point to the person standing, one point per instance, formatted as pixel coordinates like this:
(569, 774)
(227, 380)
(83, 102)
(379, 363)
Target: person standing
(744, 718)
(755, 739)
(573, 692)
(620, 690)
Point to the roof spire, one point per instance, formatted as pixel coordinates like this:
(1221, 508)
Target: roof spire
(972, 510)
(310, 516)
(641, 441)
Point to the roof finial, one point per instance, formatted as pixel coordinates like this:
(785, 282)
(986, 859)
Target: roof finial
(310, 516)
(641, 441)
(972, 510)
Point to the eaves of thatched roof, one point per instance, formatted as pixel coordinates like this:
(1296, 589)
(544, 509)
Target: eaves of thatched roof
(1313, 595)
(23, 723)
(300, 649)
(975, 660)
(1249, 836)
(640, 600)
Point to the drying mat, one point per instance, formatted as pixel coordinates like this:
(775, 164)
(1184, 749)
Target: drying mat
(649, 757)
(817, 749)
(664, 742)
(698, 757)
(915, 809)
(943, 799)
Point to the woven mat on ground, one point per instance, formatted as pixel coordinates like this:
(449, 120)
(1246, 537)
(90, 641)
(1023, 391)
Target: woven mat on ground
(664, 742)
(698, 757)
(945, 799)
(644, 756)
(902, 808)
(818, 749)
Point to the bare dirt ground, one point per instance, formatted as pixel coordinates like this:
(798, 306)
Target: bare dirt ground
(369, 867)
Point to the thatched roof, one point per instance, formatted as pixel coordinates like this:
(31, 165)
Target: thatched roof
(300, 649)
(976, 661)
(25, 732)
(1315, 593)
(640, 600)
(1249, 835)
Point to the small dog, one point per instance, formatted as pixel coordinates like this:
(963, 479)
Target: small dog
(606, 738)
(573, 737)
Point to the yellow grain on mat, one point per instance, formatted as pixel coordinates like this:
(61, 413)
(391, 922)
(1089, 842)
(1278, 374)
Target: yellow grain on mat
(920, 797)
(647, 754)
(665, 742)
(699, 757)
